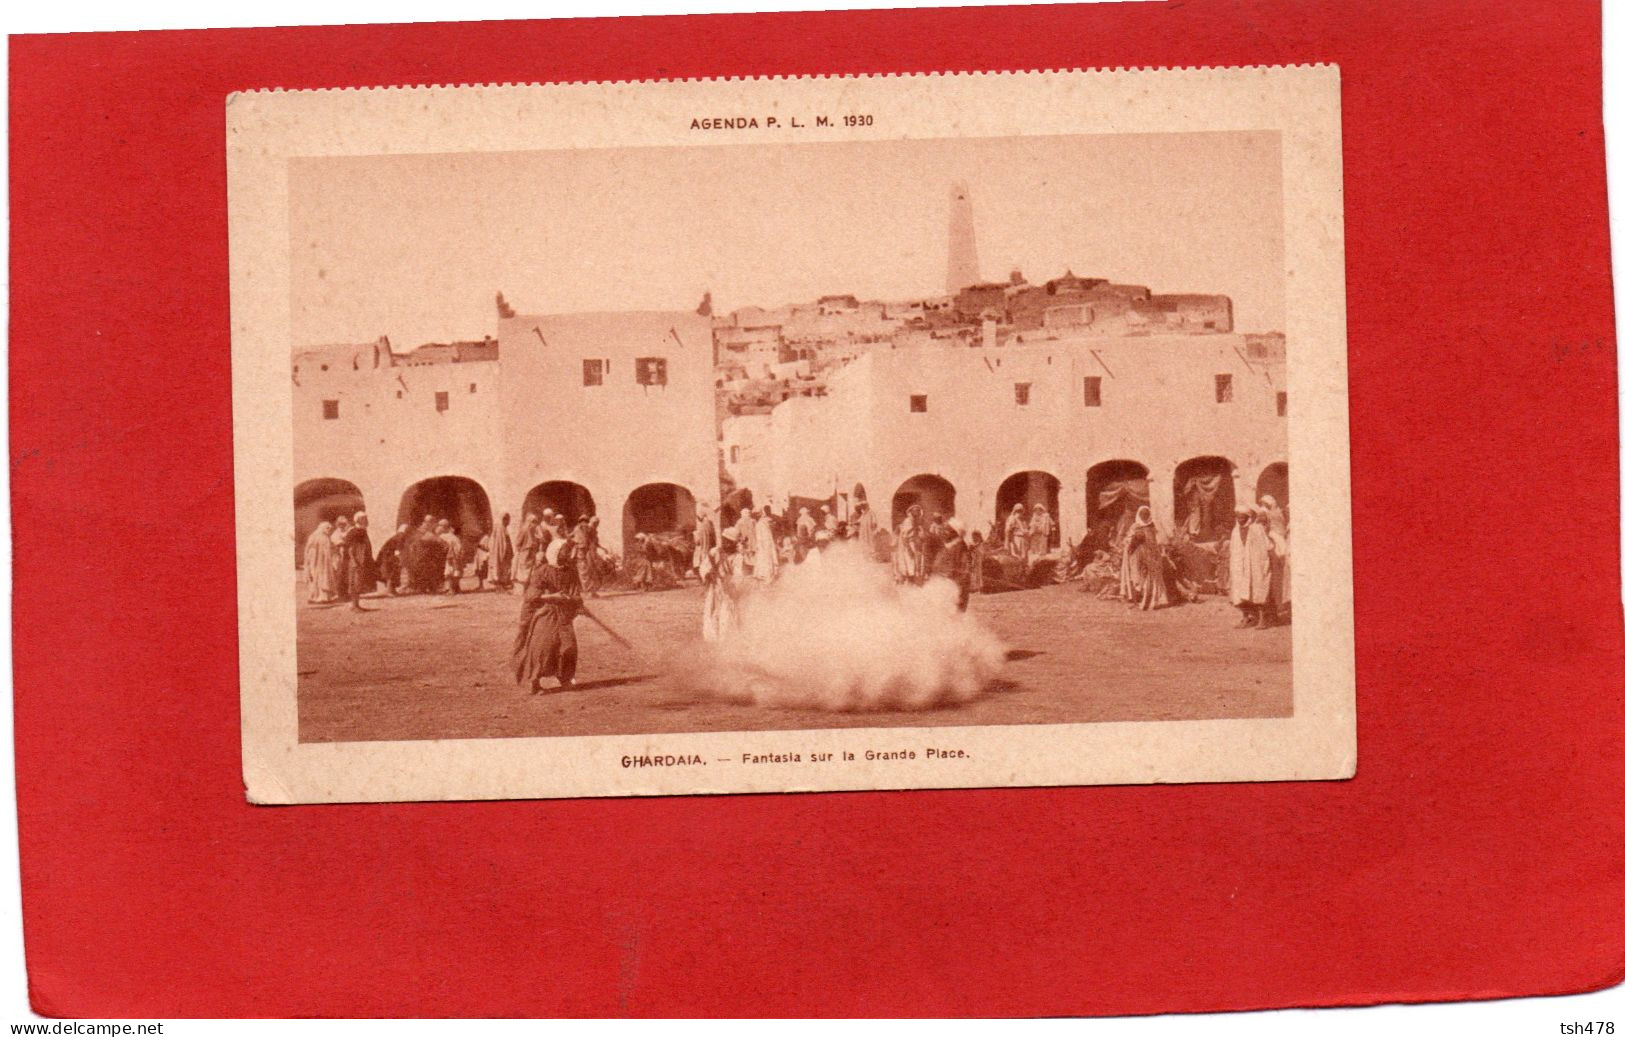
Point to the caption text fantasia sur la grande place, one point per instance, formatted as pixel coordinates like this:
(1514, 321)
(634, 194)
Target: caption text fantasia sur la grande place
(844, 756)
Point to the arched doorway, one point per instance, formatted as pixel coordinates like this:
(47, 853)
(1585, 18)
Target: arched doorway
(1034, 490)
(1205, 498)
(458, 500)
(1272, 483)
(1113, 491)
(659, 508)
(570, 499)
(933, 493)
(320, 500)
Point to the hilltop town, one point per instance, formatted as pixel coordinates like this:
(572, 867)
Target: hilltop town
(767, 355)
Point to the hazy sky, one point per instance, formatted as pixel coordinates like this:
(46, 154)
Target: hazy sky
(415, 247)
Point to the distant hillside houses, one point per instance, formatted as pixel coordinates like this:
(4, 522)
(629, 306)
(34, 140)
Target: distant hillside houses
(803, 342)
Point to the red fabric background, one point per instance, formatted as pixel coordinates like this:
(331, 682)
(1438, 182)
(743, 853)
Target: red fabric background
(1475, 855)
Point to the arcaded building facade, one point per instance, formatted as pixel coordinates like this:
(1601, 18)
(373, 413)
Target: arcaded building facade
(1079, 394)
(603, 413)
(970, 428)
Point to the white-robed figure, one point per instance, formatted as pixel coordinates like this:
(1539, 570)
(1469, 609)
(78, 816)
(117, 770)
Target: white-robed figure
(745, 540)
(1280, 559)
(705, 540)
(1239, 573)
(1015, 532)
(319, 556)
(766, 548)
(1250, 567)
(721, 608)
(908, 548)
(1274, 515)
(1040, 531)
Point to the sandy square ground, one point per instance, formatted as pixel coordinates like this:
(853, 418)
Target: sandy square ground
(436, 666)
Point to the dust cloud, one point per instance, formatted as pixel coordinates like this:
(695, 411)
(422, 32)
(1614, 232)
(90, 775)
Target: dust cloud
(836, 633)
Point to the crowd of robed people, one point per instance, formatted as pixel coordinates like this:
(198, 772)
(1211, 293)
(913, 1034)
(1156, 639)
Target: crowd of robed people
(1138, 564)
(734, 557)
(731, 558)
(338, 561)
(434, 557)
(1147, 569)
(555, 565)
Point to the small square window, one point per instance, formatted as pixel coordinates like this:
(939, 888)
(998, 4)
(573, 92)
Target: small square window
(916, 403)
(651, 370)
(442, 401)
(592, 372)
(1091, 390)
(1280, 404)
(733, 454)
(1024, 393)
(1223, 388)
(472, 387)
(330, 410)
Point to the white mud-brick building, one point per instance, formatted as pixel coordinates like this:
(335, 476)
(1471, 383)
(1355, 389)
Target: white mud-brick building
(399, 435)
(612, 413)
(1086, 424)
(602, 413)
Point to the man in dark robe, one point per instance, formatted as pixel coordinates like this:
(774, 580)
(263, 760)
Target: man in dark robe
(977, 549)
(640, 557)
(1144, 582)
(953, 560)
(584, 545)
(546, 645)
(425, 558)
(389, 559)
(525, 545)
(358, 561)
(935, 536)
(502, 555)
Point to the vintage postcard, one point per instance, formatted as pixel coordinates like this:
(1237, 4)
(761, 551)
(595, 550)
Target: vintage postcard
(829, 433)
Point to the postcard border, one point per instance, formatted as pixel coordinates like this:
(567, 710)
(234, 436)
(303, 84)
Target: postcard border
(1302, 102)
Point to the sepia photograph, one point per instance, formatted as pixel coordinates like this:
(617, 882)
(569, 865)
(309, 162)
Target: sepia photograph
(961, 432)
(943, 433)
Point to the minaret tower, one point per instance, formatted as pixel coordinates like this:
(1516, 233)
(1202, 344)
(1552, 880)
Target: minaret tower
(962, 265)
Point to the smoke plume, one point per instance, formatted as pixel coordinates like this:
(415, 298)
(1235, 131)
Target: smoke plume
(835, 633)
